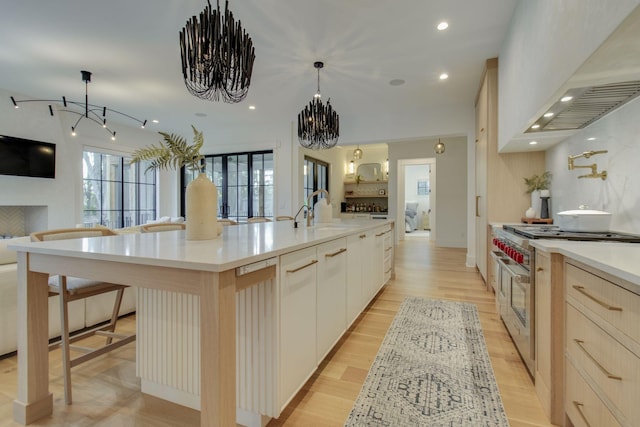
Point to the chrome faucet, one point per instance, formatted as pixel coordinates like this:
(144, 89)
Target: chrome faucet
(310, 213)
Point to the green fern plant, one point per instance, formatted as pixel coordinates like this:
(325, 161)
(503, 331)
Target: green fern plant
(173, 152)
(538, 182)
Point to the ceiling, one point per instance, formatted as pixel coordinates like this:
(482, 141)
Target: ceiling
(131, 47)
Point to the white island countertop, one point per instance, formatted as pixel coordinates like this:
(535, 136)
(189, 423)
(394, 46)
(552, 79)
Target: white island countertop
(238, 245)
(618, 259)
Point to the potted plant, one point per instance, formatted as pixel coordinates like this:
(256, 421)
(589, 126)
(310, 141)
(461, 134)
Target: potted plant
(173, 152)
(535, 185)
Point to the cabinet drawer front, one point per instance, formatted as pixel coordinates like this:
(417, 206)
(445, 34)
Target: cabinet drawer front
(612, 366)
(614, 304)
(582, 404)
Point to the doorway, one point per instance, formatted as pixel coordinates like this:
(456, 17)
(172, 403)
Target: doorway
(416, 198)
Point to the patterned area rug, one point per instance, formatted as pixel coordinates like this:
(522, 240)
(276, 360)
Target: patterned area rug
(432, 369)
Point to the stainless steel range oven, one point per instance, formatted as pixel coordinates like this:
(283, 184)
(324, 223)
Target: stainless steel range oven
(515, 278)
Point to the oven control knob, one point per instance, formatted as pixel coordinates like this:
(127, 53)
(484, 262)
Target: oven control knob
(520, 258)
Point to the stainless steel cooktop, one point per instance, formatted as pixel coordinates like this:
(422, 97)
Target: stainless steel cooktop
(554, 232)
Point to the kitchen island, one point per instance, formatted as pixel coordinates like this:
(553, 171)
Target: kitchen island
(214, 271)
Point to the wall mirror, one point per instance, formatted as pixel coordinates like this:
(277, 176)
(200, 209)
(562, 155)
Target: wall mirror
(370, 172)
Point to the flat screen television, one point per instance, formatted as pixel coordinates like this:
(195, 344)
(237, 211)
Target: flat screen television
(24, 157)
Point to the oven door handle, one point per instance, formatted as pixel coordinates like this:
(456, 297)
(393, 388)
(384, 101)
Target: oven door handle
(520, 278)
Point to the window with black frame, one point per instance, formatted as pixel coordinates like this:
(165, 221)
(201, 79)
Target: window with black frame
(245, 183)
(316, 177)
(116, 193)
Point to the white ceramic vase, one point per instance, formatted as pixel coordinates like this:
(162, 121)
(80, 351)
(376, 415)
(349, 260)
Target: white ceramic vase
(202, 209)
(536, 202)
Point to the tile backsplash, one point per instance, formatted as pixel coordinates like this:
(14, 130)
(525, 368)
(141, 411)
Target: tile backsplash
(619, 133)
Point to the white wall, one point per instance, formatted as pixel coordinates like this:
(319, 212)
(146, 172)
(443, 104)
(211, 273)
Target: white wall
(619, 133)
(547, 42)
(62, 195)
(451, 185)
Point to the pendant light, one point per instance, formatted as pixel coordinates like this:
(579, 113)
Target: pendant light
(439, 147)
(357, 153)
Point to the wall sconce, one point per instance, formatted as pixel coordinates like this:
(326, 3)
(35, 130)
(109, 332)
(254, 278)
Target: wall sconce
(352, 167)
(386, 167)
(439, 147)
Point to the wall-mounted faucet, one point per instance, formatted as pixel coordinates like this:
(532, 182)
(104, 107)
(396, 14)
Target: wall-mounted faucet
(594, 167)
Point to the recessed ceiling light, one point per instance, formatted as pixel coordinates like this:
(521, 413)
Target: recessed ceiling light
(155, 121)
(444, 76)
(201, 114)
(591, 139)
(566, 98)
(252, 107)
(548, 114)
(396, 82)
(536, 126)
(443, 25)
(533, 142)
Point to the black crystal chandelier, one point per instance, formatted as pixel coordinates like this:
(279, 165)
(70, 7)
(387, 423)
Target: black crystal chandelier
(318, 124)
(92, 112)
(217, 56)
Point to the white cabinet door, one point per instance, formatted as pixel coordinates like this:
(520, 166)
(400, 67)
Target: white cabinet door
(369, 271)
(355, 263)
(378, 259)
(297, 320)
(331, 295)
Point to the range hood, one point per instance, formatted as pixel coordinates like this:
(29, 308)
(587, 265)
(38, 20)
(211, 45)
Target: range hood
(579, 107)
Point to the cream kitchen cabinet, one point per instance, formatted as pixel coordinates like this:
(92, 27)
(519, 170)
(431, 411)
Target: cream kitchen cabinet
(500, 191)
(356, 256)
(369, 267)
(331, 303)
(298, 290)
(602, 348)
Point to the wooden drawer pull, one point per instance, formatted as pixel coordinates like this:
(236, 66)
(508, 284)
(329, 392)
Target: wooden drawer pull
(578, 406)
(388, 271)
(338, 252)
(604, 371)
(539, 269)
(362, 236)
(303, 267)
(388, 249)
(380, 234)
(596, 300)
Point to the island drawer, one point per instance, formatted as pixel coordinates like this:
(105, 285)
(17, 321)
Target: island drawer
(583, 405)
(607, 300)
(611, 366)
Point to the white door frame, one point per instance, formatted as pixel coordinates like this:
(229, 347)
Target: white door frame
(402, 163)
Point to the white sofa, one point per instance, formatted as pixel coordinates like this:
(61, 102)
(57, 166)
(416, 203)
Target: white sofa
(82, 313)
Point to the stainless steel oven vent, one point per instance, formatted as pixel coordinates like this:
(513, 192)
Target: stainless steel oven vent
(586, 106)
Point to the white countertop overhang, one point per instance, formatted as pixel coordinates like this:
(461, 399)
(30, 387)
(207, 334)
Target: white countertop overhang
(238, 245)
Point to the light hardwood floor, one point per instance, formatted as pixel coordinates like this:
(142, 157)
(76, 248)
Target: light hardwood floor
(106, 390)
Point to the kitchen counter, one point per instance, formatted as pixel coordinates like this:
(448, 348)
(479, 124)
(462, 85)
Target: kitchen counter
(160, 261)
(618, 259)
(237, 246)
